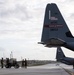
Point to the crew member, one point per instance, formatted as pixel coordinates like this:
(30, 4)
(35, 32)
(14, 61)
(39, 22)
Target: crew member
(2, 63)
(25, 63)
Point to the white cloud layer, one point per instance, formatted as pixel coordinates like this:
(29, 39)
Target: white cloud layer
(21, 24)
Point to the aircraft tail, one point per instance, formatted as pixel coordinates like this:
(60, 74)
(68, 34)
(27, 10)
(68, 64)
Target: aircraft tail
(54, 28)
(59, 55)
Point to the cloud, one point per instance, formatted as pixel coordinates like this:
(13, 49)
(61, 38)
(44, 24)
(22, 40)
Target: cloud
(70, 0)
(2, 49)
(72, 15)
(2, 1)
(19, 12)
(21, 24)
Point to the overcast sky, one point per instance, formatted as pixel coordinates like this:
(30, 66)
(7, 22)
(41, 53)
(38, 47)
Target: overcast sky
(21, 23)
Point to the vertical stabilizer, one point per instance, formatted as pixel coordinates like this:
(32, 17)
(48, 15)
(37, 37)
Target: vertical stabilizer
(54, 25)
(59, 55)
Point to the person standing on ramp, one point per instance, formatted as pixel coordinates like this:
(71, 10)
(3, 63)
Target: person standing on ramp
(25, 63)
(2, 63)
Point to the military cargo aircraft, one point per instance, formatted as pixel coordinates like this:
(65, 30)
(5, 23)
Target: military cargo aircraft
(60, 56)
(55, 30)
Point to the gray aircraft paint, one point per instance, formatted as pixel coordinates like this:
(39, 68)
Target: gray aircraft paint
(55, 30)
(60, 56)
